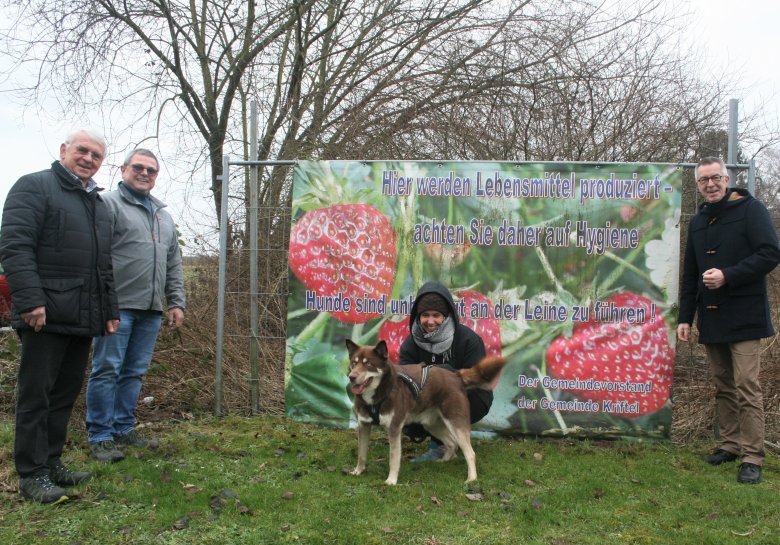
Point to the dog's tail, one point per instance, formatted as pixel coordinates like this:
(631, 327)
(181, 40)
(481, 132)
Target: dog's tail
(483, 374)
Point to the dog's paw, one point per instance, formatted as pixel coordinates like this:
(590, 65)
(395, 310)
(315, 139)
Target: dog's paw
(390, 482)
(357, 471)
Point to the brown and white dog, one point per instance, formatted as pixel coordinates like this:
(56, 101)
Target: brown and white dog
(392, 396)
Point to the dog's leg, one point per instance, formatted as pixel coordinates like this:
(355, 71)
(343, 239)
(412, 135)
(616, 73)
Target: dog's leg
(364, 435)
(463, 438)
(394, 438)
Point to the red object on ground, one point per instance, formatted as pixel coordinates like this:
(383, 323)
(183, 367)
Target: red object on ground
(5, 302)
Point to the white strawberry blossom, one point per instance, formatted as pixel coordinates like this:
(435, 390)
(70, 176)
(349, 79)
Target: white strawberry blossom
(663, 259)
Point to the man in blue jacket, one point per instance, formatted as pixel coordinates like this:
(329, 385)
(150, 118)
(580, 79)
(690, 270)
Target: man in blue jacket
(55, 246)
(149, 280)
(732, 246)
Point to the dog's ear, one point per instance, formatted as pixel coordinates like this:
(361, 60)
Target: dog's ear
(381, 350)
(351, 347)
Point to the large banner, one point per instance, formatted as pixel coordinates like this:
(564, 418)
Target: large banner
(568, 270)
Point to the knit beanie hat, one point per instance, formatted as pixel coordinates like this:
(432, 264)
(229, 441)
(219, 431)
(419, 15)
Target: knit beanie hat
(433, 301)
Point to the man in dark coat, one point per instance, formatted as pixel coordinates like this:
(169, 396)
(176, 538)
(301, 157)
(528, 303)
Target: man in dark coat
(55, 245)
(438, 338)
(732, 246)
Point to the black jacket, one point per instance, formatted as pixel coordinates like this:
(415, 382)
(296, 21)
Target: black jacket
(467, 347)
(55, 247)
(737, 237)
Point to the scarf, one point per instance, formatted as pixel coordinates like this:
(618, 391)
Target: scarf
(439, 341)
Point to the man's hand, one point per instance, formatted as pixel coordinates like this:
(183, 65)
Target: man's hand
(684, 332)
(713, 279)
(36, 318)
(175, 317)
(112, 326)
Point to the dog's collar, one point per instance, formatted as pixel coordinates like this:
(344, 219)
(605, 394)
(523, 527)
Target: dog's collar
(415, 387)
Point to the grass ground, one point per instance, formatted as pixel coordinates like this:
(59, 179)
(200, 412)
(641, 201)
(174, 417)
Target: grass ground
(268, 480)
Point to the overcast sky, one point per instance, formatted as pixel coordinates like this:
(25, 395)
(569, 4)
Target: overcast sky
(736, 37)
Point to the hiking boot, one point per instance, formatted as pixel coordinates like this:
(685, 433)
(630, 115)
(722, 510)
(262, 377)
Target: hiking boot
(63, 476)
(39, 488)
(749, 473)
(720, 456)
(134, 439)
(435, 452)
(105, 451)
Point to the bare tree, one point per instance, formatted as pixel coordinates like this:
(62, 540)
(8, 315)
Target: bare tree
(487, 79)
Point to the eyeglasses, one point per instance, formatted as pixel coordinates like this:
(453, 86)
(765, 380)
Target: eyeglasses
(715, 178)
(140, 168)
(81, 150)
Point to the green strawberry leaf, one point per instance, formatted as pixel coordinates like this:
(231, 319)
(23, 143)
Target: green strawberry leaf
(316, 385)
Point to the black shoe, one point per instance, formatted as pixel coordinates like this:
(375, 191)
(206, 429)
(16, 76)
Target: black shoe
(40, 489)
(134, 439)
(63, 476)
(749, 473)
(416, 433)
(720, 456)
(105, 451)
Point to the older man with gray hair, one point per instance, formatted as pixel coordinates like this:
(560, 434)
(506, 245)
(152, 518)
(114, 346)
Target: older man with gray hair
(55, 245)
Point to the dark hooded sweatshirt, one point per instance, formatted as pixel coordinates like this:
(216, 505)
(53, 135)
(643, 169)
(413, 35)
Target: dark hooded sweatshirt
(467, 349)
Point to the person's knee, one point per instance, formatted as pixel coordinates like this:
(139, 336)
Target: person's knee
(480, 402)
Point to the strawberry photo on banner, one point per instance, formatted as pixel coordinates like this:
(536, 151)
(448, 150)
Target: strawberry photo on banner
(568, 270)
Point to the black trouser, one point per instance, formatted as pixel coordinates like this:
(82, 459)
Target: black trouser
(51, 373)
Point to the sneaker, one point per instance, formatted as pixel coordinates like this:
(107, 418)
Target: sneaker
(435, 452)
(40, 489)
(63, 476)
(749, 473)
(105, 451)
(134, 439)
(720, 456)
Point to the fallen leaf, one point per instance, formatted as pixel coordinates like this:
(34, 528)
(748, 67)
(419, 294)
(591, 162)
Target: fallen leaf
(227, 493)
(529, 482)
(713, 515)
(463, 513)
(436, 501)
(387, 530)
(474, 497)
(241, 508)
(189, 488)
(538, 457)
(182, 523)
(288, 495)
(598, 493)
(536, 503)
(418, 508)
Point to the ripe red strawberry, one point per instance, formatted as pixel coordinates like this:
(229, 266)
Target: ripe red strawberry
(487, 328)
(394, 333)
(348, 249)
(617, 354)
